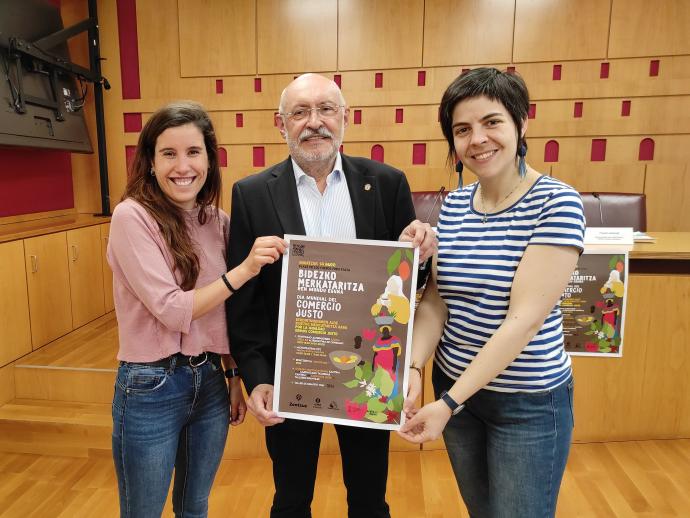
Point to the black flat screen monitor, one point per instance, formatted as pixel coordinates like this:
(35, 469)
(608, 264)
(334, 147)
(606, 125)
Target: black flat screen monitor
(39, 126)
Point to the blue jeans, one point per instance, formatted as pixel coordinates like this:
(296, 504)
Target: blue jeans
(165, 418)
(509, 450)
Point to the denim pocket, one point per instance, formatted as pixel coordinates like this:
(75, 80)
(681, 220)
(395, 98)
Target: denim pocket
(571, 392)
(145, 379)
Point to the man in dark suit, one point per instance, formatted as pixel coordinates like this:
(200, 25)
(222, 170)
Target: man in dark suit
(315, 192)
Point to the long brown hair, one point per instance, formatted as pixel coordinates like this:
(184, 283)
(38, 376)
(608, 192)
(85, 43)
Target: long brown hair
(143, 187)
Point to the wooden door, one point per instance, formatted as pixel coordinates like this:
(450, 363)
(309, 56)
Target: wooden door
(86, 274)
(107, 272)
(15, 326)
(47, 275)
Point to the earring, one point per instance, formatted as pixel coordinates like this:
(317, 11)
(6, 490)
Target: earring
(522, 152)
(153, 173)
(458, 169)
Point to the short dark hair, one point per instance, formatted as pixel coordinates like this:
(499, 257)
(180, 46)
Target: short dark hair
(508, 88)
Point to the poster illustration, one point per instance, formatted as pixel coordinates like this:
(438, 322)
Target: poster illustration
(593, 305)
(344, 331)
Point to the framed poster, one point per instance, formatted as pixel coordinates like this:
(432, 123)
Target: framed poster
(344, 331)
(593, 305)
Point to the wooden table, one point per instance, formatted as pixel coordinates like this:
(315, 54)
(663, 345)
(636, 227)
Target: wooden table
(646, 393)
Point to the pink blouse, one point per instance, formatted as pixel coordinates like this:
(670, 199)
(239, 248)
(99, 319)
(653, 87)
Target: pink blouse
(154, 314)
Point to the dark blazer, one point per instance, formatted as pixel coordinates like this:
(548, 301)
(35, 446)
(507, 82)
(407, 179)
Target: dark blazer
(266, 204)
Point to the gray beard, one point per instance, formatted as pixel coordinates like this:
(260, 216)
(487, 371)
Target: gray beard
(302, 156)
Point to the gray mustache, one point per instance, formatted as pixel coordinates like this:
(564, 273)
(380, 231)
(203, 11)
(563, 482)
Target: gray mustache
(307, 133)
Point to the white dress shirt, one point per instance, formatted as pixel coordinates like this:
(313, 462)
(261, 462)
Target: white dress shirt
(328, 214)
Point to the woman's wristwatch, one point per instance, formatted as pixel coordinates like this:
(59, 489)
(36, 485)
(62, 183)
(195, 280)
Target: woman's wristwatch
(231, 373)
(455, 408)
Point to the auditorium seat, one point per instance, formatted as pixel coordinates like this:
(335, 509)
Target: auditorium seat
(427, 205)
(602, 209)
(615, 209)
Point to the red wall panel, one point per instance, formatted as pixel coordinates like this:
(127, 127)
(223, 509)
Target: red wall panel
(34, 180)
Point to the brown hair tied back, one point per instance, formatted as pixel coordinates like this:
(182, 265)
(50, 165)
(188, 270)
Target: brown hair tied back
(143, 187)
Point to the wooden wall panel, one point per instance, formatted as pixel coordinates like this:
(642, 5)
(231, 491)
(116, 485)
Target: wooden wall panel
(297, 36)
(15, 326)
(382, 34)
(666, 395)
(668, 197)
(6, 384)
(601, 176)
(560, 29)
(455, 33)
(399, 86)
(644, 393)
(257, 127)
(660, 105)
(627, 78)
(159, 56)
(619, 150)
(217, 37)
(639, 28)
(378, 123)
(240, 163)
(108, 302)
(648, 116)
(424, 177)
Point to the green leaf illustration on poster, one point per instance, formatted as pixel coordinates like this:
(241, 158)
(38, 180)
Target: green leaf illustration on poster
(374, 405)
(396, 403)
(394, 262)
(361, 398)
(367, 373)
(379, 417)
(385, 383)
(608, 330)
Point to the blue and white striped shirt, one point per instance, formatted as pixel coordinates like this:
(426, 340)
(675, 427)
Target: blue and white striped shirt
(329, 214)
(476, 266)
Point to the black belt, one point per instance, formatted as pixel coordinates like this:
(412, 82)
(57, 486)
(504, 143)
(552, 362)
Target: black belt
(182, 360)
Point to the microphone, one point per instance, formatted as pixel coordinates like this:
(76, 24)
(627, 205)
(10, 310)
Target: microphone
(601, 211)
(437, 198)
(425, 269)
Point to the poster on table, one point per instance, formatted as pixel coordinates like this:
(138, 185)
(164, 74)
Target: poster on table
(344, 331)
(593, 304)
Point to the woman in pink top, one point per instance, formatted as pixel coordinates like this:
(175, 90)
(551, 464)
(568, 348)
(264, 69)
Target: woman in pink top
(172, 406)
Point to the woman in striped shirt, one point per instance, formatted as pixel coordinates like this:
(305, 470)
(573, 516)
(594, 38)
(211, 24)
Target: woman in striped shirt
(508, 244)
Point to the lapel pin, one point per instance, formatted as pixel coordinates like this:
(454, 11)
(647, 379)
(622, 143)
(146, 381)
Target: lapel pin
(367, 187)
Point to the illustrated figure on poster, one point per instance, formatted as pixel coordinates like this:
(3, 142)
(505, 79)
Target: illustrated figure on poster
(610, 311)
(380, 399)
(386, 352)
(606, 332)
(391, 306)
(394, 300)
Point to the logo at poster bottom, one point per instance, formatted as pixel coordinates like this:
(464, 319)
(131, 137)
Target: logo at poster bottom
(298, 397)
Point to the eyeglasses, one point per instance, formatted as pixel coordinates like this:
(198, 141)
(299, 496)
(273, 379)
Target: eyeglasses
(326, 111)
